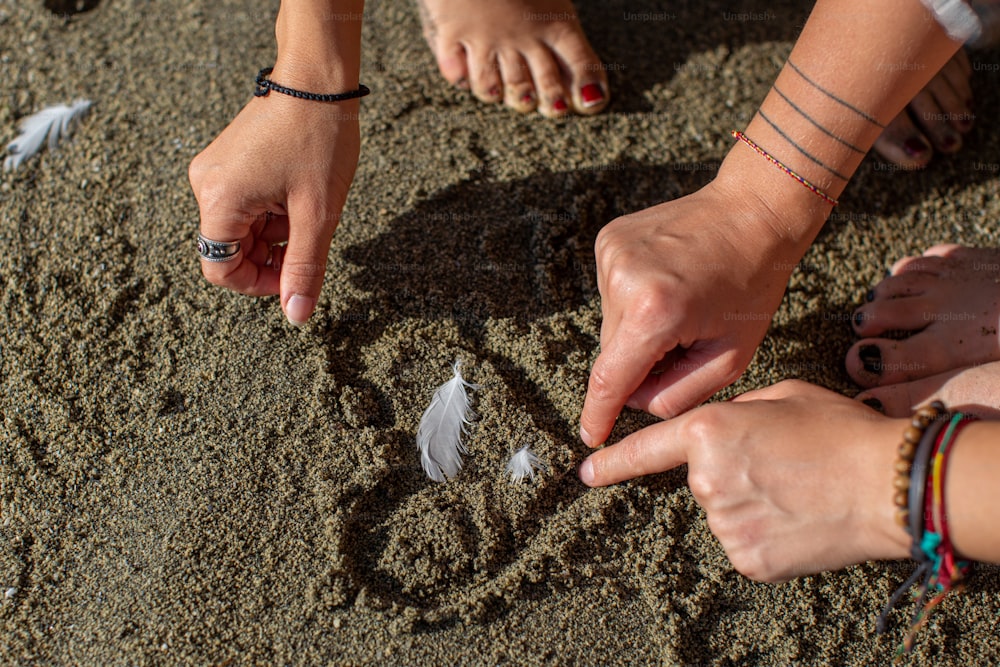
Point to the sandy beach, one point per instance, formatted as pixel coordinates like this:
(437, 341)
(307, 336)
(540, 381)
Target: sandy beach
(187, 479)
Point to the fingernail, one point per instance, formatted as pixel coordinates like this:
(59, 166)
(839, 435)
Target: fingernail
(591, 94)
(871, 359)
(586, 472)
(874, 404)
(870, 296)
(585, 436)
(915, 146)
(299, 308)
(560, 105)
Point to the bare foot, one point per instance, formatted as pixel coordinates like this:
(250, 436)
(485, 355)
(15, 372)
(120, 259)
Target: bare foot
(974, 389)
(532, 54)
(936, 119)
(947, 301)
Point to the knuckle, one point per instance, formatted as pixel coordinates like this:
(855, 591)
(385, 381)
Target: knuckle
(630, 455)
(753, 563)
(601, 385)
(303, 268)
(214, 275)
(703, 486)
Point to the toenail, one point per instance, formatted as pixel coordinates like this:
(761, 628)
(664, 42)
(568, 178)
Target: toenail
(592, 94)
(494, 91)
(462, 83)
(527, 98)
(870, 296)
(949, 141)
(915, 146)
(560, 105)
(871, 359)
(874, 404)
(859, 318)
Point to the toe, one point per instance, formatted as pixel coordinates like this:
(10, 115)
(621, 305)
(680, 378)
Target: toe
(453, 64)
(518, 88)
(929, 110)
(909, 283)
(900, 314)
(484, 75)
(933, 265)
(875, 362)
(958, 74)
(587, 79)
(553, 101)
(898, 400)
(901, 143)
(970, 389)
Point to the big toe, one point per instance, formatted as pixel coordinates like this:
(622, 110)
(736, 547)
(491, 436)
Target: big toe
(588, 81)
(972, 389)
(874, 362)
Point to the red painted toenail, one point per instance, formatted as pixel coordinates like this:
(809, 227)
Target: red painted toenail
(915, 146)
(560, 105)
(949, 142)
(592, 94)
(494, 91)
(527, 98)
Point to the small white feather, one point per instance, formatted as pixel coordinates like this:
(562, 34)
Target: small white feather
(439, 437)
(523, 464)
(55, 122)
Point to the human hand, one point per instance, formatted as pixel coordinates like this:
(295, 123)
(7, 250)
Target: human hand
(278, 173)
(688, 291)
(795, 479)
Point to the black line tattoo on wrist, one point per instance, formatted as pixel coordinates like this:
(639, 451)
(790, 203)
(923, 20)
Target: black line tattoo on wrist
(815, 124)
(833, 97)
(809, 155)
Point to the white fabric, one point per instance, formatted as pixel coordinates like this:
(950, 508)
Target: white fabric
(957, 18)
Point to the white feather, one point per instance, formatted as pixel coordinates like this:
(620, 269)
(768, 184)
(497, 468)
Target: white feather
(439, 437)
(523, 464)
(55, 122)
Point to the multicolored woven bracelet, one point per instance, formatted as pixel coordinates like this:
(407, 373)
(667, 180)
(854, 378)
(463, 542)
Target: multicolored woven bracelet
(777, 163)
(921, 469)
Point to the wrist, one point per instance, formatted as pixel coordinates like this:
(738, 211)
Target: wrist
(789, 212)
(319, 45)
(885, 538)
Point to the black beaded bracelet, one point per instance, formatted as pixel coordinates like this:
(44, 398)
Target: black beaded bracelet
(265, 85)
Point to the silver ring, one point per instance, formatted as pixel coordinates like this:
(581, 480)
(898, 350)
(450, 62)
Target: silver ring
(217, 251)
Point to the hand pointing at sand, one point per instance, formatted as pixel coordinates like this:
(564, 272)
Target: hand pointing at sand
(688, 287)
(795, 479)
(688, 290)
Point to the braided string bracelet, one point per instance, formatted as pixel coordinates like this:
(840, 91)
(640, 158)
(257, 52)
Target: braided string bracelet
(265, 86)
(921, 469)
(777, 163)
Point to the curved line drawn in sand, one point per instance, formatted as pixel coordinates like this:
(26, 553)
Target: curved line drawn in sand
(464, 550)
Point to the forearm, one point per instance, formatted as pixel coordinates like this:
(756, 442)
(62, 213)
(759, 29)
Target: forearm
(972, 492)
(319, 44)
(853, 69)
